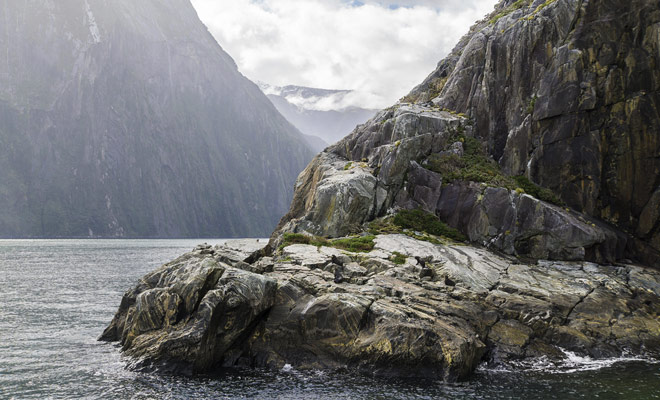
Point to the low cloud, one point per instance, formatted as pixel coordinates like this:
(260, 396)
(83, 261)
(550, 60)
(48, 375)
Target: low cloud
(379, 49)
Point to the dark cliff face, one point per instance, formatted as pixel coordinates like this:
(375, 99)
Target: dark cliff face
(127, 119)
(567, 93)
(562, 93)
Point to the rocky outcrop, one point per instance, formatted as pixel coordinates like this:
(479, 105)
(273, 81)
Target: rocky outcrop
(562, 93)
(439, 317)
(127, 119)
(384, 164)
(566, 92)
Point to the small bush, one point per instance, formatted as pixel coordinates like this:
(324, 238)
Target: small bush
(295, 238)
(398, 258)
(299, 238)
(537, 191)
(418, 220)
(355, 244)
(383, 227)
(532, 104)
(474, 166)
(508, 10)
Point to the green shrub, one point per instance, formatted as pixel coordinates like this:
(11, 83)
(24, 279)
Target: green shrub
(508, 10)
(355, 244)
(474, 165)
(398, 258)
(299, 238)
(418, 220)
(537, 191)
(295, 238)
(532, 104)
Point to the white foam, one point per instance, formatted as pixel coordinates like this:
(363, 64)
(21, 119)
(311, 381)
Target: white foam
(571, 363)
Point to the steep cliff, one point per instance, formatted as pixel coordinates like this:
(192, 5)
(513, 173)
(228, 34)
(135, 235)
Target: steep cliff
(567, 93)
(126, 118)
(558, 98)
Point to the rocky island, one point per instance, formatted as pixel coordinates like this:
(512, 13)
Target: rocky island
(507, 208)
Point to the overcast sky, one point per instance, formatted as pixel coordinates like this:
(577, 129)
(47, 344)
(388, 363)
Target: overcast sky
(380, 49)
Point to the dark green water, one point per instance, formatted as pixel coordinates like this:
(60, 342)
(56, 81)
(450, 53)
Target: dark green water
(56, 297)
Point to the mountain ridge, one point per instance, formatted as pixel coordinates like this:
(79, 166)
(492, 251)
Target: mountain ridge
(129, 120)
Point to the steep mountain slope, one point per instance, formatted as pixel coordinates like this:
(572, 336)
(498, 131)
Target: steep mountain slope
(126, 118)
(560, 93)
(318, 112)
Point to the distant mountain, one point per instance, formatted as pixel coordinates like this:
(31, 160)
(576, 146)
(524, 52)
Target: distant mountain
(126, 119)
(317, 112)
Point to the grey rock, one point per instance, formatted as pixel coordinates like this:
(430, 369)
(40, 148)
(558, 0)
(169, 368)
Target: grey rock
(566, 93)
(475, 306)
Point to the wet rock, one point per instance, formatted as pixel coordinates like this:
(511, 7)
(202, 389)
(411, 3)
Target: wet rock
(195, 313)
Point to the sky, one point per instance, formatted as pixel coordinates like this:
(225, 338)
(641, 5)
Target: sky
(380, 49)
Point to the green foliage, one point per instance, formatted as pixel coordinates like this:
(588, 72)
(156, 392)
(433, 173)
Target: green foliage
(348, 166)
(436, 86)
(398, 258)
(383, 226)
(537, 191)
(508, 10)
(542, 6)
(355, 244)
(299, 238)
(532, 103)
(418, 220)
(476, 166)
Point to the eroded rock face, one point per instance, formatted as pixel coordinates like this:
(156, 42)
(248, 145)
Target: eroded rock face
(369, 173)
(564, 92)
(519, 224)
(197, 313)
(567, 92)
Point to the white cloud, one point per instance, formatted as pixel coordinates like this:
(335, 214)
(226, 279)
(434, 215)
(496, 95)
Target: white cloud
(380, 49)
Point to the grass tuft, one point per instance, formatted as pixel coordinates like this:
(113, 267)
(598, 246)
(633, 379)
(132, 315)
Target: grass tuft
(418, 220)
(354, 244)
(398, 258)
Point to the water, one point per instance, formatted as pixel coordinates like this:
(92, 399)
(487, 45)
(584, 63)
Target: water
(56, 297)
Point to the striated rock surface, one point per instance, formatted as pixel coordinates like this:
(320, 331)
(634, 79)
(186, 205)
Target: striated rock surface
(567, 93)
(563, 93)
(384, 164)
(203, 311)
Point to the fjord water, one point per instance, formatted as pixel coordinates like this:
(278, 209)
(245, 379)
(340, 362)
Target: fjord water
(57, 296)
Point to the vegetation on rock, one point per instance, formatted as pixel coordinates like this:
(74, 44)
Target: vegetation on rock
(398, 258)
(508, 10)
(417, 224)
(476, 166)
(355, 244)
(418, 220)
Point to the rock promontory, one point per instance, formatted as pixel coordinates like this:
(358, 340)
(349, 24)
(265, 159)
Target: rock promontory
(506, 209)
(407, 307)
